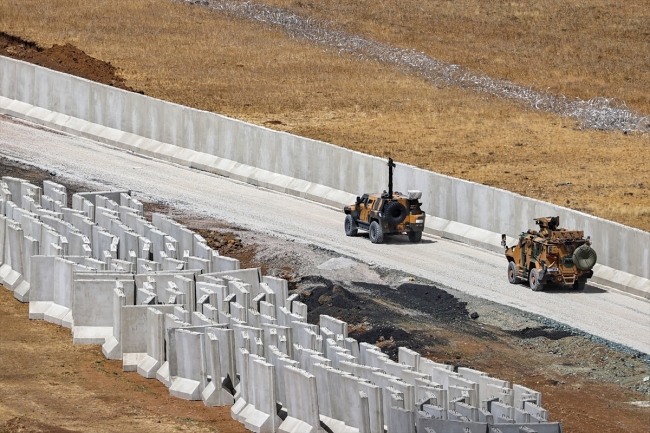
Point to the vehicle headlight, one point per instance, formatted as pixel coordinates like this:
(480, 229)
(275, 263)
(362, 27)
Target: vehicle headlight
(419, 221)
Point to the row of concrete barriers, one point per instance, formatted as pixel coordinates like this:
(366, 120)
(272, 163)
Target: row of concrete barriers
(156, 296)
(457, 209)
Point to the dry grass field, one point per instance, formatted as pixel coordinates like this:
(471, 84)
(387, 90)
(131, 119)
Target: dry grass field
(197, 57)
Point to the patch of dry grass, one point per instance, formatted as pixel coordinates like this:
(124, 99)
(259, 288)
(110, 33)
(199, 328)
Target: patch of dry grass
(577, 48)
(200, 58)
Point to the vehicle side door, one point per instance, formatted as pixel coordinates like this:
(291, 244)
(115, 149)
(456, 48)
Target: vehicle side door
(365, 207)
(524, 259)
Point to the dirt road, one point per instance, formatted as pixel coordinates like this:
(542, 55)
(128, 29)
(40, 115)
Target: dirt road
(607, 314)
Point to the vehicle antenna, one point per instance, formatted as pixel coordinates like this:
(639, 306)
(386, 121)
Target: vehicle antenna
(391, 165)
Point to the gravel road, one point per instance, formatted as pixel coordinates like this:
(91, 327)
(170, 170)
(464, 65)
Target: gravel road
(608, 314)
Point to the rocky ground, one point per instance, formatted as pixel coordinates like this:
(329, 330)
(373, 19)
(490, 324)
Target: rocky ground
(49, 385)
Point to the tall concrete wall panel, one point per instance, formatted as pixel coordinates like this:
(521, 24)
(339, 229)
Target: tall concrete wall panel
(480, 206)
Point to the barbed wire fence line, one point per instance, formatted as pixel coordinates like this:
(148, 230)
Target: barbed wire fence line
(596, 113)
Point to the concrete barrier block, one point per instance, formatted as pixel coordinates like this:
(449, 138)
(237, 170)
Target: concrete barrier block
(155, 344)
(363, 348)
(551, 427)
(14, 255)
(523, 394)
(242, 396)
(376, 359)
(264, 418)
(393, 398)
(11, 279)
(112, 348)
(537, 411)
(335, 325)
(55, 314)
(427, 391)
(425, 421)
(401, 420)
(3, 233)
(355, 402)
(93, 310)
(394, 368)
(21, 292)
(620, 280)
(352, 345)
(302, 402)
(408, 357)
(407, 391)
(299, 308)
(280, 287)
(410, 376)
(191, 376)
(222, 264)
(216, 392)
(8, 80)
(362, 371)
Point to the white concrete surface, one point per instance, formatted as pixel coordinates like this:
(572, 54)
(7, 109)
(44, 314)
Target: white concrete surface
(608, 314)
(287, 162)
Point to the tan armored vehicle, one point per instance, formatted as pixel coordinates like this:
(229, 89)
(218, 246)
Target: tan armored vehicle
(386, 213)
(552, 255)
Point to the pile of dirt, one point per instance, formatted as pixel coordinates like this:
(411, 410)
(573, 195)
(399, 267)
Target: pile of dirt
(323, 296)
(63, 58)
(224, 242)
(369, 318)
(424, 298)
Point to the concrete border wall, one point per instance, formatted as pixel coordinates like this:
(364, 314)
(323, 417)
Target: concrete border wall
(311, 167)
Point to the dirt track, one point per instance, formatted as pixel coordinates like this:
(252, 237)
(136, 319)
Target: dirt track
(47, 384)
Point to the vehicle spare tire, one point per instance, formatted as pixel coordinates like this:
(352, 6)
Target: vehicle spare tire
(584, 257)
(395, 212)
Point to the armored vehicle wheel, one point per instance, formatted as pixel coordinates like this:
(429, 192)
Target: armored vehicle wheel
(415, 237)
(395, 212)
(535, 283)
(375, 233)
(579, 284)
(513, 277)
(351, 228)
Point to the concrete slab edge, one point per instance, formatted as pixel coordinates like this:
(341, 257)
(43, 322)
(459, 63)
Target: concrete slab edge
(440, 227)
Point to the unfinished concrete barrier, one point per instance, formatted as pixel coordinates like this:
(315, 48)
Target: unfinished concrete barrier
(458, 209)
(204, 336)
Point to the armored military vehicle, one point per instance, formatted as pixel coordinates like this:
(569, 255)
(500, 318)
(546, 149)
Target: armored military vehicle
(551, 254)
(386, 213)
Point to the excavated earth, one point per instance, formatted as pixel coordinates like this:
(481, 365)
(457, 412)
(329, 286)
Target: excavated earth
(63, 58)
(47, 385)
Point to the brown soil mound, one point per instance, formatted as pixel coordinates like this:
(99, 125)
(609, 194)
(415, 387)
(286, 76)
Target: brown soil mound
(63, 58)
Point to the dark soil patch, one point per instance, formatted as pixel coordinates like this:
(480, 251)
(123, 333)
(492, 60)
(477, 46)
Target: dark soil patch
(544, 331)
(422, 297)
(63, 58)
(323, 296)
(368, 321)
